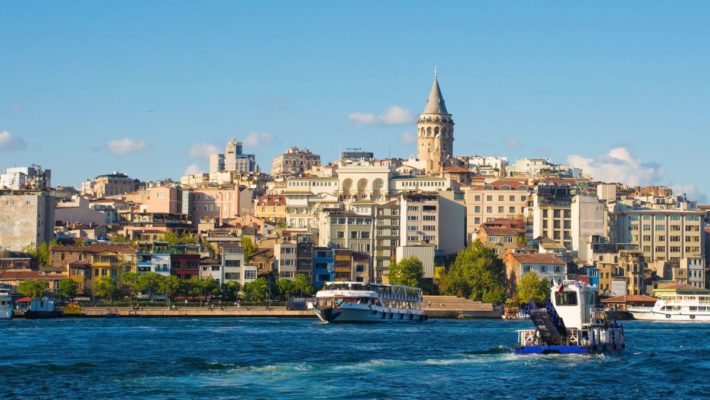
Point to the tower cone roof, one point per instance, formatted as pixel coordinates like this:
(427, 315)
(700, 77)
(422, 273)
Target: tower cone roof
(435, 104)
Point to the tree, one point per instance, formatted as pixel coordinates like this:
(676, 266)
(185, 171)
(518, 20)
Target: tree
(476, 274)
(302, 285)
(408, 271)
(68, 288)
(230, 290)
(248, 248)
(148, 283)
(41, 253)
(106, 287)
(257, 290)
(33, 288)
(286, 288)
(129, 282)
(532, 287)
(168, 285)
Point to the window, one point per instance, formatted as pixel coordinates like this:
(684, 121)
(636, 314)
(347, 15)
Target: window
(341, 234)
(364, 235)
(250, 274)
(477, 197)
(489, 198)
(359, 268)
(477, 209)
(232, 263)
(566, 298)
(353, 235)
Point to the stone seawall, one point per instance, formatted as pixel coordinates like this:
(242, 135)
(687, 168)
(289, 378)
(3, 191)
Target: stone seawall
(192, 312)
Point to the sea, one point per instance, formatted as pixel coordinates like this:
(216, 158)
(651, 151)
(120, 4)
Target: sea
(284, 358)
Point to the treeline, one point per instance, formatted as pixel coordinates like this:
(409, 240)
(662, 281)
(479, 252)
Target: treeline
(478, 274)
(133, 286)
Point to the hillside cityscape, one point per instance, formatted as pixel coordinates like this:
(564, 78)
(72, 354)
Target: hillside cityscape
(359, 218)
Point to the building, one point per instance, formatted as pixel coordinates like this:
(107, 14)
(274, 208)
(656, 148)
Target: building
(500, 199)
(271, 208)
(501, 239)
(113, 184)
(544, 265)
(552, 213)
(285, 257)
(233, 266)
(425, 254)
(346, 230)
(26, 219)
(87, 264)
(185, 261)
(435, 132)
(233, 159)
(33, 177)
(432, 219)
(79, 210)
(589, 220)
(323, 266)
(294, 161)
(356, 155)
(153, 257)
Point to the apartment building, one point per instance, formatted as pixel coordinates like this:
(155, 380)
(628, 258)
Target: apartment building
(294, 161)
(552, 213)
(501, 199)
(26, 219)
(432, 219)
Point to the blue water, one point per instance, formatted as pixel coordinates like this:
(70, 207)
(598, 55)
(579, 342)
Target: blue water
(301, 358)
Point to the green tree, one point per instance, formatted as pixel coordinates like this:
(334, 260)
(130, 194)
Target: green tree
(476, 274)
(230, 290)
(302, 285)
(248, 248)
(107, 288)
(408, 271)
(148, 283)
(169, 285)
(129, 283)
(33, 288)
(532, 287)
(286, 288)
(257, 290)
(41, 253)
(68, 288)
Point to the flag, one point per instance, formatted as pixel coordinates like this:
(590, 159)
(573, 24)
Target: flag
(561, 288)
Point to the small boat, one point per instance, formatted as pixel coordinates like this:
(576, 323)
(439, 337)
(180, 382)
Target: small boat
(42, 308)
(675, 307)
(368, 302)
(570, 323)
(6, 303)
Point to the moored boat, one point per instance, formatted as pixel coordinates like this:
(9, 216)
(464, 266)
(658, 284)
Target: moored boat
(6, 303)
(368, 302)
(570, 323)
(675, 307)
(42, 308)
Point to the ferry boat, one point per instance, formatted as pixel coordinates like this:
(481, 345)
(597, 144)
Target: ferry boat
(570, 323)
(368, 302)
(675, 307)
(6, 303)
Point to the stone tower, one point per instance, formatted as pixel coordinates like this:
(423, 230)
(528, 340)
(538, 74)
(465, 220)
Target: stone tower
(435, 131)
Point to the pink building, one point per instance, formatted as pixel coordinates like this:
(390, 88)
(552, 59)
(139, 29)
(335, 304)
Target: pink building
(215, 204)
(164, 199)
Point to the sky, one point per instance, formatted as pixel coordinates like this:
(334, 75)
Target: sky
(620, 88)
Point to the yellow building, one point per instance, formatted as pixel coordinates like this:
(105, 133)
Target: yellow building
(271, 208)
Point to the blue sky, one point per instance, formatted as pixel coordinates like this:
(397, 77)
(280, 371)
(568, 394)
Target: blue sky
(622, 87)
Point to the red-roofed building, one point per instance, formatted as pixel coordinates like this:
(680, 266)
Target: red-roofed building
(544, 265)
(500, 238)
(501, 199)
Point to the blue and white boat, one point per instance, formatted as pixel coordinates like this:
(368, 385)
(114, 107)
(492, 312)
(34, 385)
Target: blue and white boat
(570, 323)
(368, 302)
(6, 303)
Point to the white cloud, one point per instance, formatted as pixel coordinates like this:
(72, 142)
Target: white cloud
(192, 169)
(201, 151)
(256, 139)
(512, 143)
(691, 191)
(8, 142)
(126, 145)
(408, 138)
(619, 165)
(394, 115)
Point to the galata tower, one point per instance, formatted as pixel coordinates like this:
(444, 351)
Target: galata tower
(435, 131)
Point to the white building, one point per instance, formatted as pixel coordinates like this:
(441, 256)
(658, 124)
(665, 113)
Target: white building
(588, 220)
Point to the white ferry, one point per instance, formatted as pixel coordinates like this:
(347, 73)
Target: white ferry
(6, 303)
(675, 307)
(570, 323)
(368, 302)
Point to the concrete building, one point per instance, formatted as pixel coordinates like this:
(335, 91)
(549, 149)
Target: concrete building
(661, 234)
(500, 199)
(425, 254)
(696, 271)
(271, 208)
(33, 177)
(346, 230)
(285, 257)
(113, 184)
(323, 266)
(552, 213)
(544, 265)
(78, 210)
(233, 159)
(435, 132)
(356, 155)
(501, 239)
(233, 266)
(294, 161)
(215, 203)
(589, 220)
(26, 219)
(432, 219)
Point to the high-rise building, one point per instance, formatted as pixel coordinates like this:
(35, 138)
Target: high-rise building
(435, 131)
(233, 159)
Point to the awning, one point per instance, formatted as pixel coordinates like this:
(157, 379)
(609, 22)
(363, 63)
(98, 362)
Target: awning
(24, 300)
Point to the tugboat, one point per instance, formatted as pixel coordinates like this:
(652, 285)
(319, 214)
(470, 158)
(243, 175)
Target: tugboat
(6, 303)
(570, 323)
(42, 308)
(368, 302)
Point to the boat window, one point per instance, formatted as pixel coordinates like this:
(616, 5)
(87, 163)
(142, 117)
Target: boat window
(693, 308)
(566, 299)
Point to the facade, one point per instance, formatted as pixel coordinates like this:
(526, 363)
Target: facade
(552, 213)
(233, 266)
(425, 254)
(271, 208)
(113, 184)
(294, 161)
(285, 257)
(26, 219)
(232, 160)
(432, 219)
(215, 203)
(185, 261)
(33, 177)
(435, 132)
(346, 230)
(78, 210)
(589, 220)
(501, 199)
(501, 239)
(544, 265)
(323, 266)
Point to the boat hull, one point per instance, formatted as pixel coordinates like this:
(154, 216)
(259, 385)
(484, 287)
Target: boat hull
(364, 313)
(650, 315)
(42, 314)
(568, 349)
